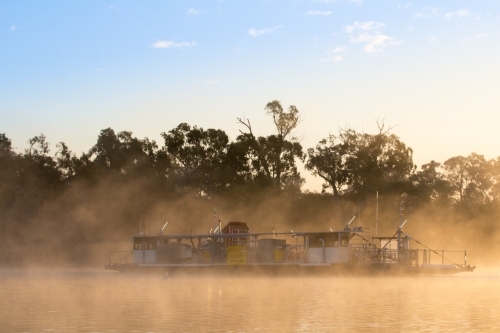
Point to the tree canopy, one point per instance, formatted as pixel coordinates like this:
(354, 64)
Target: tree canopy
(204, 165)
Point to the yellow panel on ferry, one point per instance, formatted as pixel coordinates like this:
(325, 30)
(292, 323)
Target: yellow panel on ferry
(237, 255)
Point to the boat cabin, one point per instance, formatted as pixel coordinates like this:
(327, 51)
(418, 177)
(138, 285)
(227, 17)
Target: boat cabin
(328, 247)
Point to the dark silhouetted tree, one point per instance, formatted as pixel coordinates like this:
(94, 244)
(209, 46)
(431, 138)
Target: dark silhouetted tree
(273, 158)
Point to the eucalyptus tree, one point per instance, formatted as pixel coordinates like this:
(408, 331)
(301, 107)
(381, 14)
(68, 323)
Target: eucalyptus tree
(201, 159)
(472, 180)
(359, 164)
(9, 163)
(429, 185)
(273, 158)
(122, 154)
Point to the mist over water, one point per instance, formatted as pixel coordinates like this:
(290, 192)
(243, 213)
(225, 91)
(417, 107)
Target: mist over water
(97, 301)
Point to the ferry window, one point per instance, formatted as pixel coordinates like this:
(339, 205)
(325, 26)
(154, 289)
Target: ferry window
(329, 239)
(137, 246)
(343, 240)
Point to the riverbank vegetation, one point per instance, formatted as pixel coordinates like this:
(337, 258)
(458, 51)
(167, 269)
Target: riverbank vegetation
(56, 206)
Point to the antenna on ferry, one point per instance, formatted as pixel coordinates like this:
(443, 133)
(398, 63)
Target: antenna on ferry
(215, 217)
(351, 220)
(397, 224)
(400, 226)
(161, 231)
(348, 223)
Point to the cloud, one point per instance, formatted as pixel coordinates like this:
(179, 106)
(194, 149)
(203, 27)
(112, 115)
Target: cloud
(213, 82)
(256, 33)
(14, 27)
(358, 2)
(338, 49)
(368, 33)
(458, 14)
(407, 5)
(319, 13)
(333, 54)
(432, 39)
(366, 26)
(428, 12)
(476, 36)
(192, 11)
(164, 44)
(115, 8)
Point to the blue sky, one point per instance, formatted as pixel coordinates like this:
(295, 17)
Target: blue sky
(70, 69)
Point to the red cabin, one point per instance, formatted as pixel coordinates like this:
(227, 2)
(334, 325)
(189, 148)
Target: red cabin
(236, 227)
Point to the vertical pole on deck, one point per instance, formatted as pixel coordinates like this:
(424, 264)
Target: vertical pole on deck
(376, 218)
(399, 228)
(442, 257)
(465, 257)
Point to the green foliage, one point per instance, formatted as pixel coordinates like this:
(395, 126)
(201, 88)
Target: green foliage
(360, 164)
(86, 198)
(272, 159)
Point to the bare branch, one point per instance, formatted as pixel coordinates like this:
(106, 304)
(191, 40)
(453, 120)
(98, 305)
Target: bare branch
(245, 122)
(381, 125)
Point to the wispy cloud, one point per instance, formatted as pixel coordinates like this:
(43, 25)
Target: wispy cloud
(458, 14)
(365, 26)
(165, 44)
(358, 2)
(192, 11)
(14, 27)
(115, 8)
(428, 12)
(332, 55)
(256, 32)
(319, 13)
(476, 36)
(406, 5)
(369, 34)
(432, 39)
(213, 82)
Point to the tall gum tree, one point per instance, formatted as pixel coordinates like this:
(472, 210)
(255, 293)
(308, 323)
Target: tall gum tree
(356, 165)
(273, 157)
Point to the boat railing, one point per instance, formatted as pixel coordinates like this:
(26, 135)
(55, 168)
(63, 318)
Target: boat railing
(368, 254)
(443, 257)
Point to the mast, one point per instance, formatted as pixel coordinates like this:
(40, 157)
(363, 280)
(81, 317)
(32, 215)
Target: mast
(399, 228)
(376, 218)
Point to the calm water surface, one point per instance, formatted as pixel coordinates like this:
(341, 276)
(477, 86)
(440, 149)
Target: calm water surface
(100, 301)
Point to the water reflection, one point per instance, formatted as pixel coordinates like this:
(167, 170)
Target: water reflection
(86, 301)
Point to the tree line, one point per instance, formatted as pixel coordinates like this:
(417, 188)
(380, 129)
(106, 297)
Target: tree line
(204, 164)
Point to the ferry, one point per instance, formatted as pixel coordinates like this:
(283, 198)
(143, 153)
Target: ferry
(235, 249)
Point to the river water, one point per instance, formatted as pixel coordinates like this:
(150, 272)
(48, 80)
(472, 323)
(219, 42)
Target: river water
(103, 301)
